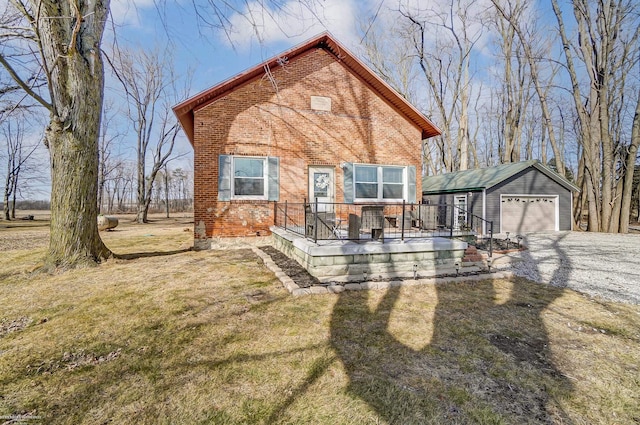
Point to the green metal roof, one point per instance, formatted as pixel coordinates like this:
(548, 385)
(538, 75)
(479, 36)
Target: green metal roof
(484, 178)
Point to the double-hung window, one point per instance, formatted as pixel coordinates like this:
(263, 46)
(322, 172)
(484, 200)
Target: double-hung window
(380, 182)
(248, 177)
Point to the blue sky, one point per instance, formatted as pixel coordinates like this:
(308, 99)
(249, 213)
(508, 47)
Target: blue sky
(216, 55)
(253, 35)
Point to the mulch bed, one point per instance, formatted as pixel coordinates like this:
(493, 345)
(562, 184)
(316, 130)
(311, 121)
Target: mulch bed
(290, 267)
(500, 246)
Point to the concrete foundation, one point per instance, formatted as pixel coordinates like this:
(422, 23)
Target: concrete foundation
(351, 261)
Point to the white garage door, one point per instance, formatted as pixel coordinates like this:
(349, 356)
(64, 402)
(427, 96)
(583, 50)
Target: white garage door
(528, 214)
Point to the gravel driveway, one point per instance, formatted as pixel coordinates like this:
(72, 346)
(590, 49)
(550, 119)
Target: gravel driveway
(606, 265)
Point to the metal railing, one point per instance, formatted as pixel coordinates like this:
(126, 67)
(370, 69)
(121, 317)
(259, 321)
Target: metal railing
(377, 221)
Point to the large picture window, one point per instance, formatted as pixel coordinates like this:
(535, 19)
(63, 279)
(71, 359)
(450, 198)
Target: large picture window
(379, 182)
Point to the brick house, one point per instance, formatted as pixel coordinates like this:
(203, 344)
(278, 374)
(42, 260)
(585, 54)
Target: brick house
(311, 122)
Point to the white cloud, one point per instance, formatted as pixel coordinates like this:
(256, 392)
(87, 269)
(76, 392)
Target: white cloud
(293, 22)
(128, 11)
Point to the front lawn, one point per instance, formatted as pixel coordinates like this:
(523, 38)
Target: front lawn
(182, 337)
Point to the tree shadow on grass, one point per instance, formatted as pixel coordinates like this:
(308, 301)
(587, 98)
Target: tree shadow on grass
(136, 255)
(486, 361)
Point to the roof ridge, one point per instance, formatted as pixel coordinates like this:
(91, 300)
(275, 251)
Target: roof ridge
(184, 110)
(481, 178)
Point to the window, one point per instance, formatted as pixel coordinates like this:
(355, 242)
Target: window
(244, 177)
(249, 177)
(379, 182)
(392, 183)
(366, 182)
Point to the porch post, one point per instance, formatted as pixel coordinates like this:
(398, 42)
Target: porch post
(315, 222)
(286, 212)
(402, 229)
(491, 239)
(453, 212)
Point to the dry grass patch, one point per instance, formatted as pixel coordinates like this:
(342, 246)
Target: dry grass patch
(170, 335)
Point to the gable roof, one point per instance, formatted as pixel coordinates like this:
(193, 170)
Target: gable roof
(484, 178)
(185, 110)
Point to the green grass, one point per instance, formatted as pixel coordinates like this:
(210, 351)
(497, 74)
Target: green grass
(175, 336)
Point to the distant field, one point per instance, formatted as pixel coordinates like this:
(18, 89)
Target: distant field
(170, 335)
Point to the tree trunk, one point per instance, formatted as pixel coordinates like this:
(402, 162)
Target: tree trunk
(142, 208)
(537, 84)
(13, 196)
(101, 183)
(579, 200)
(74, 237)
(6, 205)
(166, 191)
(616, 204)
(7, 190)
(71, 53)
(630, 166)
(593, 224)
(463, 123)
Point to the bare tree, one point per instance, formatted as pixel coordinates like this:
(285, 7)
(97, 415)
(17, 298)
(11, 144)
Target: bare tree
(120, 187)
(391, 57)
(512, 94)
(150, 84)
(180, 180)
(65, 40)
(107, 162)
(512, 12)
(607, 50)
(445, 61)
(18, 153)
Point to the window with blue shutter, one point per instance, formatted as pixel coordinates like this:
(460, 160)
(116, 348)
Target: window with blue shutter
(274, 178)
(224, 177)
(348, 182)
(244, 177)
(411, 181)
(380, 183)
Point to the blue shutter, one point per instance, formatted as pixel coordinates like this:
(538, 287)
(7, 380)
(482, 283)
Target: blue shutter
(274, 178)
(224, 178)
(348, 182)
(411, 181)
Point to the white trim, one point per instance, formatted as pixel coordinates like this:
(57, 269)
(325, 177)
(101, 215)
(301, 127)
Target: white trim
(380, 183)
(329, 169)
(571, 209)
(456, 216)
(533, 195)
(265, 178)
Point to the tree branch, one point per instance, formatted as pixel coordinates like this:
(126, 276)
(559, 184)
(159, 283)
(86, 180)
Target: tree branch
(24, 85)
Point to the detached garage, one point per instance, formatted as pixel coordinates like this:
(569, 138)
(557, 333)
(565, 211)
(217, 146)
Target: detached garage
(523, 197)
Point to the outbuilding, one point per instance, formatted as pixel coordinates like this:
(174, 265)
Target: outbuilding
(523, 197)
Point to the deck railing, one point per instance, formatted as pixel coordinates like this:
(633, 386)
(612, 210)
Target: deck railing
(376, 221)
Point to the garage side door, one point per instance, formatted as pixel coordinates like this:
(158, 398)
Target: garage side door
(528, 214)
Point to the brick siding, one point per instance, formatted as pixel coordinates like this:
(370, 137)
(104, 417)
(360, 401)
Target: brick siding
(266, 119)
